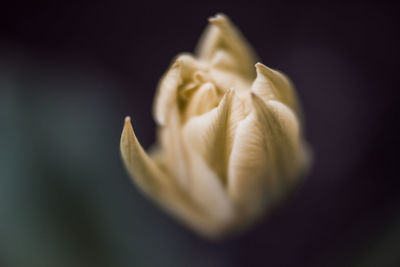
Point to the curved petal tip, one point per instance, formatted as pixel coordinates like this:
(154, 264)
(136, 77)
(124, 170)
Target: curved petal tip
(218, 19)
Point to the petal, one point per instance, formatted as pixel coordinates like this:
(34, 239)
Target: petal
(140, 166)
(203, 100)
(194, 177)
(161, 188)
(211, 134)
(189, 65)
(179, 73)
(264, 155)
(225, 80)
(262, 86)
(272, 84)
(209, 194)
(292, 153)
(175, 155)
(222, 35)
(223, 60)
(166, 95)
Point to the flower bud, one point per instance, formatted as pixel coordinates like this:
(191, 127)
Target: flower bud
(229, 136)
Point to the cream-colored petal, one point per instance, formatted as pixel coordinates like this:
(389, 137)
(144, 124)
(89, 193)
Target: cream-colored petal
(225, 80)
(162, 188)
(189, 65)
(221, 34)
(203, 100)
(166, 97)
(263, 153)
(262, 86)
(291, 153)
(223, 60)
(252, 179)
(176, 157)
(271, 84)
(196, 179)
(211, 134)
(140, 166)
(209, 194)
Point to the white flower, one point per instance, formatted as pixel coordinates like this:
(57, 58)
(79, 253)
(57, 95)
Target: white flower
(230, 143)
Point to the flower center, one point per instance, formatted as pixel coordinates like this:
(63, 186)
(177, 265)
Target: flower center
(198, 96)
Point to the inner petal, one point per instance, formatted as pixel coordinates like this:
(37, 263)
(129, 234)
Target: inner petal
(204, 99)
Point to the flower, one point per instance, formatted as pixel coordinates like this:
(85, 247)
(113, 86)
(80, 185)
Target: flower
(230, 140)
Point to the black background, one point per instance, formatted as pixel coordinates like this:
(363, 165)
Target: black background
(343, 59)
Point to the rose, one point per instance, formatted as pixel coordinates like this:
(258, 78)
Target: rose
(230, 142)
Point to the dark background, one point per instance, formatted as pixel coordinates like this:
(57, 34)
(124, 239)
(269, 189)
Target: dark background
(70, 72)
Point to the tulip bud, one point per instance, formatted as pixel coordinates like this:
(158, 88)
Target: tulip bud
(229, 136)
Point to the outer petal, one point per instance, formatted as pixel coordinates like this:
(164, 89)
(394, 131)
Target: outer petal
(162, 188)
(174, 154)
(208, 193)
(222, 35)
(166, 95)
(272, 84)
(263, 155)
(147, 174)
(211, 134)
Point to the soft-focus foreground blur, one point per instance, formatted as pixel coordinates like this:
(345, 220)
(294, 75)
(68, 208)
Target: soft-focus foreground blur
(69, 73)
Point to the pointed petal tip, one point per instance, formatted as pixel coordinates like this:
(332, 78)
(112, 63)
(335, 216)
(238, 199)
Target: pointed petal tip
(185, 61)
(257, 101)
(177, 63)
(218, 19)
(262, 69)
(182, 59)
(127, 131)
(258, 65)
(253, 97)
(127, 124)
(228, 94)
(208, 87)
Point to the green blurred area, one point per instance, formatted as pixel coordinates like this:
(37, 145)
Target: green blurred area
(383, 250)
(65, 199)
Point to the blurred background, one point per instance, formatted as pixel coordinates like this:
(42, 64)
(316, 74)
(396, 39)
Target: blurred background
(70, 72)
